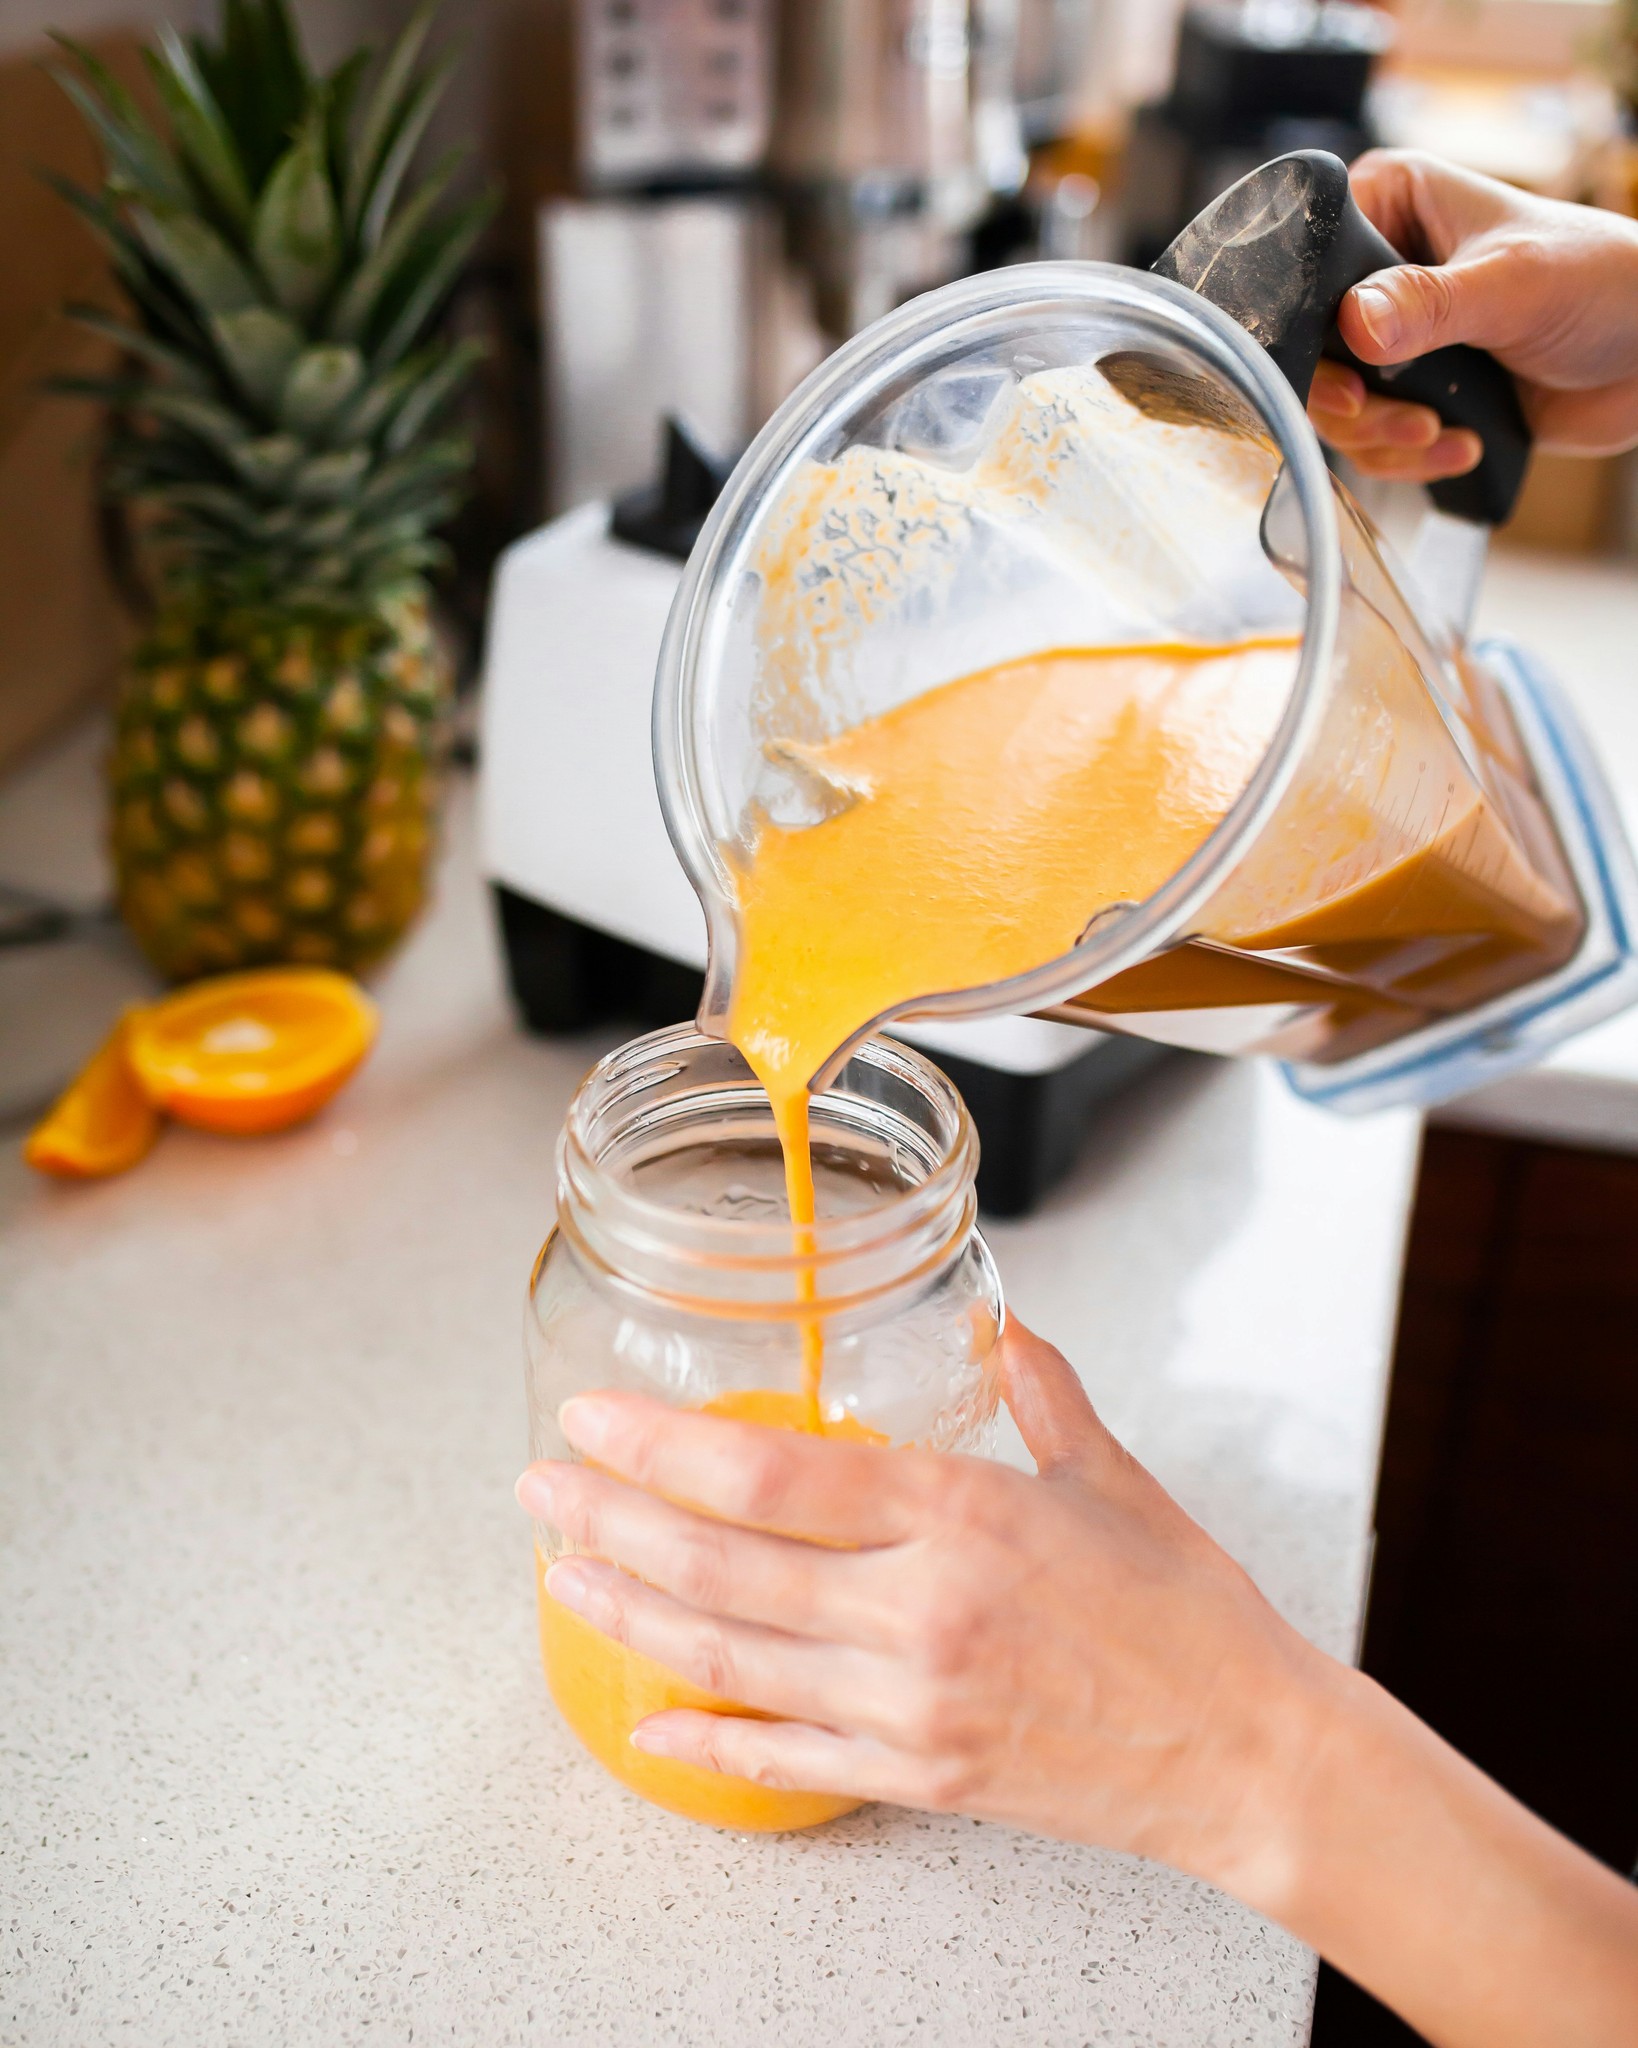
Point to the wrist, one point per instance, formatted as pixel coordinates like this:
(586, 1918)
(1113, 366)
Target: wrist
(1407, 1868)
(1305, 1722)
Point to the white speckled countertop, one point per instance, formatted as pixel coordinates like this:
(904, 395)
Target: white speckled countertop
(276, 1762)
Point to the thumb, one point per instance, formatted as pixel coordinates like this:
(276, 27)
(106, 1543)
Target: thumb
(1404, 312)
(1059, 1425)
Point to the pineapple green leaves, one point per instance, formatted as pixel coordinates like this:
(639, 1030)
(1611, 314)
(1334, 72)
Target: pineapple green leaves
(259, 348)
(201, 131)
(296, 235)
(283, 381)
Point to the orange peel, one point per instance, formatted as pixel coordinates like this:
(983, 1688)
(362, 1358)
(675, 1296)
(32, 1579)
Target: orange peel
(103, 1121)
(255, 1052)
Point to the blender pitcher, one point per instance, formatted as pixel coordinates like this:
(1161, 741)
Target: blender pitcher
(1420, 881)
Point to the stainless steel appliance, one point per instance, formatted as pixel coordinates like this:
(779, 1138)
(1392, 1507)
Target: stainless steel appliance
(756, 180)
(650, 269)
(670, 89)
(897, 126)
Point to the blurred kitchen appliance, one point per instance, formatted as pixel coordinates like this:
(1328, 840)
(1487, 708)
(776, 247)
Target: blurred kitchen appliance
(646, 312)
(598, 918)
(1253, 79)
(896, 128)
(649, 267)
(670, 90)
(1063, 51)
(754, 181)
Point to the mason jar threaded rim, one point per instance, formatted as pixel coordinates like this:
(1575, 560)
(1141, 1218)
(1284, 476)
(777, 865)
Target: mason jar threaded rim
(679, 1087)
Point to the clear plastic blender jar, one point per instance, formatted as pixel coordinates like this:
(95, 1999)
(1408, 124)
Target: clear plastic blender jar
(1421, 882)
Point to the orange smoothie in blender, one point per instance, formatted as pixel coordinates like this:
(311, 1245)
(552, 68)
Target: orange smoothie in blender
(981, 825)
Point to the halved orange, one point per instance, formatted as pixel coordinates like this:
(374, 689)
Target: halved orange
(102, 1123)
(245, 1053)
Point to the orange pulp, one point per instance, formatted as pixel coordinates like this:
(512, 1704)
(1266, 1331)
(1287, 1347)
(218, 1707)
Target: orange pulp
(246, 1053)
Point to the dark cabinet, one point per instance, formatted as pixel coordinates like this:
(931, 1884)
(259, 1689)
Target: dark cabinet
(1504, 1598)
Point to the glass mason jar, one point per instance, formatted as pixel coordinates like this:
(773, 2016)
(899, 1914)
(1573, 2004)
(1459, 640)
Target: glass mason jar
(672, 1271)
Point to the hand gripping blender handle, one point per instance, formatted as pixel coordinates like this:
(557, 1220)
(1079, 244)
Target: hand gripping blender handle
(1279, 251)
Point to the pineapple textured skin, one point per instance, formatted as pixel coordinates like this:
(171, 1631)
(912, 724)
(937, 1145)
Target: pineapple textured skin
(279, 429)
(274, 798)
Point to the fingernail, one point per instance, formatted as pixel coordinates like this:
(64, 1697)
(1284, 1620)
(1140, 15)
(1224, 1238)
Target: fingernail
(1341, 393)
(1379, 313)
(572, 1586)
(584, 1420)
(1457, 450)
(651, 1740)
(536, 1493)
(1412, 429)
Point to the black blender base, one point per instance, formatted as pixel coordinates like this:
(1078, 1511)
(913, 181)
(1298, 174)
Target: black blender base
(567, 977)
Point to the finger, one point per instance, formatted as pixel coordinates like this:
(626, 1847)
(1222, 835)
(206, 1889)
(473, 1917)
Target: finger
(1455, 452)
(792, 1756)
(1400, 313)
(716, 1568)
(1384, 423)
(1336, 391)
(1491, 298)
(1387, 188)
(781, 1480)
(1057, 1421)
(1425, 207)
(733, 1661)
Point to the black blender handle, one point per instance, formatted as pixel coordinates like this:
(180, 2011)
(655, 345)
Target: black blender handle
(1278, 252)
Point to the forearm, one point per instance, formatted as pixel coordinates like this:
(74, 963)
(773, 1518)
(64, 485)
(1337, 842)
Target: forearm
(1410, 1870)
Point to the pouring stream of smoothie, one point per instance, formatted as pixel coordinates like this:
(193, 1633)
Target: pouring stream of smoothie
(978, 828)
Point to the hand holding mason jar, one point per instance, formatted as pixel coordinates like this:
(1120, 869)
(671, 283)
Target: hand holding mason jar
(672, 1272)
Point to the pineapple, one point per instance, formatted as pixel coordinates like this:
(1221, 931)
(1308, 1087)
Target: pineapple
(277, 437)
